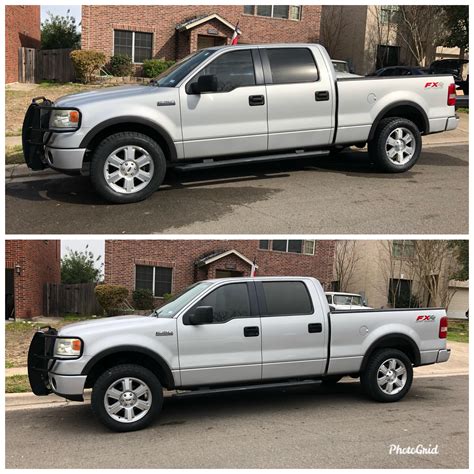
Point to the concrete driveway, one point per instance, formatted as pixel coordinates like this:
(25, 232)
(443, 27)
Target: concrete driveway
(342, 195)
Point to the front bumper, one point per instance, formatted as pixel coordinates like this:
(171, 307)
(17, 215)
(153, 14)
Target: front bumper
(69, 159)
(443, 355)
(68, 386)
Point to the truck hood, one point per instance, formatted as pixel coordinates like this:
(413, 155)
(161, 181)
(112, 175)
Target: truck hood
(108, 325)
(112, 94)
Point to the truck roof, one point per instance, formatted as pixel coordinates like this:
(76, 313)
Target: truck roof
(262, 278)
(265, 45)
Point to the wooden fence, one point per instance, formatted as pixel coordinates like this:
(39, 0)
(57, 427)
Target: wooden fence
(36, 65)
(61, 299)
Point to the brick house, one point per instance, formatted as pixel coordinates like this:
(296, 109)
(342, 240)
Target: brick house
(174, 31)
(168, 266)
(22, 29)
(29, 264)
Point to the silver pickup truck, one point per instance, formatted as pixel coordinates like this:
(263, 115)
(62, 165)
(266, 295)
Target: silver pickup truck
(234, 105)
(228, 333)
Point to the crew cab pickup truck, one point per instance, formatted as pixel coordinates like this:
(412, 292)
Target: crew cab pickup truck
(224, 333)
(234, 105)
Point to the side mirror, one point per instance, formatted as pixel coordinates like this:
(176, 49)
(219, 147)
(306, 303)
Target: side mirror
(202, 315)
(204, 84)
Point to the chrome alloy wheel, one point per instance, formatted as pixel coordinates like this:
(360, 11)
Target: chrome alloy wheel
(392, 376)
(127, 400)
(128, 169)
(400, 146)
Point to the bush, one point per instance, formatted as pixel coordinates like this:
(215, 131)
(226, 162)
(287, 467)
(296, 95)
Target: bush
(112, 298)
(154, 67)
(86, 63)
(121, 65)
(143, 299)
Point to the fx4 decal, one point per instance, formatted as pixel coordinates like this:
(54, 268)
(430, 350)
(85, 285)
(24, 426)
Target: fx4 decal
(425, 318)
(433, 85)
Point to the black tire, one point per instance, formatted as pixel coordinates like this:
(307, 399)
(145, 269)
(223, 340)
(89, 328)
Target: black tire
(112, 143)
(115, 374)
(370, 375)
(377, 146)
(331, 380)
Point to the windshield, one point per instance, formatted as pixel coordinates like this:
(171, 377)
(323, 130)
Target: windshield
(348, 300)
(340, 66)
(176, 73)
(180, 300)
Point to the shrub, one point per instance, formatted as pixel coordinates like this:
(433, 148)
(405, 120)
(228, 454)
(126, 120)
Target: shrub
(143, 299)
(112, 298)
(121, 65)
(86, 63)
(154, 67)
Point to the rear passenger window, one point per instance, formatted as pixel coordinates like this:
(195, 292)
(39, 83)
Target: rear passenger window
(234, 69)
(228, 301)
(290, 65)
(287, 298)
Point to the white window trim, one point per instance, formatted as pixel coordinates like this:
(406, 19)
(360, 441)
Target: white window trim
(133, 42)
(153, 281)
(276, 17)
(288, 244)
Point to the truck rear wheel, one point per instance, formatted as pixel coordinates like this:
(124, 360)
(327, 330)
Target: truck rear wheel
(388, 375)
(127, 167)
(127, 397)
(396, 145)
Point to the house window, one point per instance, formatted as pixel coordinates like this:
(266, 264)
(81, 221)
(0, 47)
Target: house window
(389, 14)
(156, 279)
(399, 293)
(288, 12)
(403, 248)
(134, 44)
(294, 246)
(263, 244)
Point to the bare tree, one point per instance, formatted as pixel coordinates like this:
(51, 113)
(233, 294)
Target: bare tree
(333, 28)
(345, 261)
(391, 268)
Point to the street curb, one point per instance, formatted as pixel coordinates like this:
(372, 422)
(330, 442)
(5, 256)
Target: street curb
(22, 171)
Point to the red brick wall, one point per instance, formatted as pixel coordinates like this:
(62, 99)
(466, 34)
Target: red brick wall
(22, 29)
(99, 21)
(121, 256)
(39, 262)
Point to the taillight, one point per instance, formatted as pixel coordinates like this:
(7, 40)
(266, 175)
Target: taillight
(452, 94)
(443, 328)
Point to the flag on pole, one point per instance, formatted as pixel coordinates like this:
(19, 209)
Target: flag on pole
(253, 270)
(235, 36)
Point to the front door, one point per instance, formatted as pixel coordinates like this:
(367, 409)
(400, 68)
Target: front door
(230, 121)
(227, 350)
(9, 293)
(300, 99)
(210, 41)
(228, 274)
(293, 330)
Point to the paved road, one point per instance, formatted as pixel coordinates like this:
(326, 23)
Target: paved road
(341, 195)
(297, 428)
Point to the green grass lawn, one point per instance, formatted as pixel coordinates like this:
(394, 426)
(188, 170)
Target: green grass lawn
(458, 331)
(17, 384)
(14, 155)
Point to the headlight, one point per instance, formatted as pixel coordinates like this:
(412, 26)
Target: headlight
(67, 347)
(65, 119)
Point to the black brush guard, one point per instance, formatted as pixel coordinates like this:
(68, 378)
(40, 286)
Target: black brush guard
(40, 359)
(35, 125)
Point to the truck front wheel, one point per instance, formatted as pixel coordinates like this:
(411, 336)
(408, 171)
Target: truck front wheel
(127, 167)
(388, 375)
(127, 397)
(396, 145)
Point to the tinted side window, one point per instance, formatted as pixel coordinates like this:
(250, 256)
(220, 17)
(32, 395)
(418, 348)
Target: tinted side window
(229, 302)
(234, 69)
(287, 298)
(289, 65)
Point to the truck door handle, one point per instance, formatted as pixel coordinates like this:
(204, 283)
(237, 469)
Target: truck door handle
(315, 327)
(321, 95)
(251, 331)
(256, 100)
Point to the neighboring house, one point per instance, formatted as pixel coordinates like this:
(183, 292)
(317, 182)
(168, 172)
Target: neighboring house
(369, 37)
(460, 303)
(384, 276)
(29, 264)
(22, 29)
(174, 31)
(168, 266)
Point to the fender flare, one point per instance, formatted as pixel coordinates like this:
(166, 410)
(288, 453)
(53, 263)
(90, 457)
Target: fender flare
(402, 103)
(131, 119)
(169, 379)
(407, 339)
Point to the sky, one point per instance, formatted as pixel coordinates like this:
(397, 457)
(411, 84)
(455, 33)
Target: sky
(75, 11)
(96, 246)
